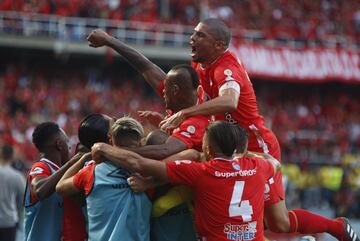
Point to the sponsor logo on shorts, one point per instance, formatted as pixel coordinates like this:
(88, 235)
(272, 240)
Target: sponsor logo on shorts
(241, 173)
(240, 231)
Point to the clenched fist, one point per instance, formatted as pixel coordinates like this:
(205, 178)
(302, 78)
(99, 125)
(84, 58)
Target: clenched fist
(98, 38)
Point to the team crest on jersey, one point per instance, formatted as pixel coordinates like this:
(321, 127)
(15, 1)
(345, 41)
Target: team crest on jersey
(228, 74)
(191, 129)
(236, 166)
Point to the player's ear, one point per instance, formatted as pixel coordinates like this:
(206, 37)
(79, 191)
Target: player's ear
(110, 139)
(58, 145)
(176, 89)
(206, 150)
(220, 45)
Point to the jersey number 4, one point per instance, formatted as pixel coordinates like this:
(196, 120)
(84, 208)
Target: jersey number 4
(240, 207)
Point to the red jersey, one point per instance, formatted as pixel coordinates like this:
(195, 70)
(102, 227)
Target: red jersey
(228, 195)
(74, 227)
(191, 131)
(84, 179)
(228, 68)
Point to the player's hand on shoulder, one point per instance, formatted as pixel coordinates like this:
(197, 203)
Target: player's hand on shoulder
(152, 117)
(98, 38)
(97, 152)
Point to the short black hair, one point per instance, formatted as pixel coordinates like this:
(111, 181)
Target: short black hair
(44, 134)
(93, 128)
(193, 75)
(219, 30)
(7, 151)
(241, 138)
(224, 137)
(156, 137)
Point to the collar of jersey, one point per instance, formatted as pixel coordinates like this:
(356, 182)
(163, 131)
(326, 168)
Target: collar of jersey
(223, 159)
(202, 67)
(50, 162)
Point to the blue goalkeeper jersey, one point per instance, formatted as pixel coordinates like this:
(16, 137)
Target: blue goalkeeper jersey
(115, 212)
(43, 220)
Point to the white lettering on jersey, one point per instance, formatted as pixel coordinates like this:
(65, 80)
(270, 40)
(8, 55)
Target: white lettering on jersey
(37, 170)
(179, 162)
(186, 134)
(242, 173)
(240, 231)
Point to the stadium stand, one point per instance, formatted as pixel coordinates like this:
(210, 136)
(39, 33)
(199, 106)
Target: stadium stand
(306, 21)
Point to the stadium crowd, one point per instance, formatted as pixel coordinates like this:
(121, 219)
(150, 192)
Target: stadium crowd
(278, 19)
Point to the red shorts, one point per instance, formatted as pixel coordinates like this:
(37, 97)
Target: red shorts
(274, 189)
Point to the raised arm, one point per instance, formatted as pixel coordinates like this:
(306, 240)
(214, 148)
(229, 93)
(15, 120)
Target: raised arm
(129, 160)
(152, 73)
(226, 102)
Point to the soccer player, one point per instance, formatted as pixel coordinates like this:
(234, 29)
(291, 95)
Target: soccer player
(228, 192)
(43, 206)
(229, 95)
(114, 211)
(90, 131)
(178, 88)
